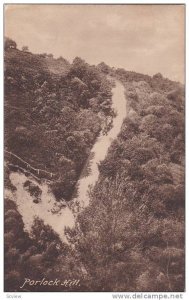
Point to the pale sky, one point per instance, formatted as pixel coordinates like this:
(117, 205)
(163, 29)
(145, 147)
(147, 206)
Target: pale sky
(142, 38)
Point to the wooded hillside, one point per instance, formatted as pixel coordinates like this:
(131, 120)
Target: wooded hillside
(53, 117)
(131, 236)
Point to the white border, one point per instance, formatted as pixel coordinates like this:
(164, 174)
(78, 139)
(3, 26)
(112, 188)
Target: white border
(85, 295)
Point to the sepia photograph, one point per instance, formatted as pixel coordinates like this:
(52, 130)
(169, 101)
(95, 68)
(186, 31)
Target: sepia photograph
(94, 148)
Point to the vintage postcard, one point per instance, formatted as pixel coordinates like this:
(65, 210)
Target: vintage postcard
(94, 152)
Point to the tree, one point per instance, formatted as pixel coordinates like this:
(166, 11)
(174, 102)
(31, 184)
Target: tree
(9, 44)
(158, 76)
(25, 49)
(104, 68)
(78, 68)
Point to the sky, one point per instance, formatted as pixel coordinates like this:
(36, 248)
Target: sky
(141, 38)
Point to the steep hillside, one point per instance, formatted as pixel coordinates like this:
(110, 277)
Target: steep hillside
(53, 113)
(138, 224)
(131, 235)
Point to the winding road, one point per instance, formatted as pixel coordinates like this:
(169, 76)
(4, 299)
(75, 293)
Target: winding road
(48, 209)
(102, 144)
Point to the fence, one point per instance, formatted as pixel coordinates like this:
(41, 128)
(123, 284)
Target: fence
(23, 165)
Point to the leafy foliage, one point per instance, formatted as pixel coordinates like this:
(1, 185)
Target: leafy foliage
(51, 113)
(136, 212)
(131, 236)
